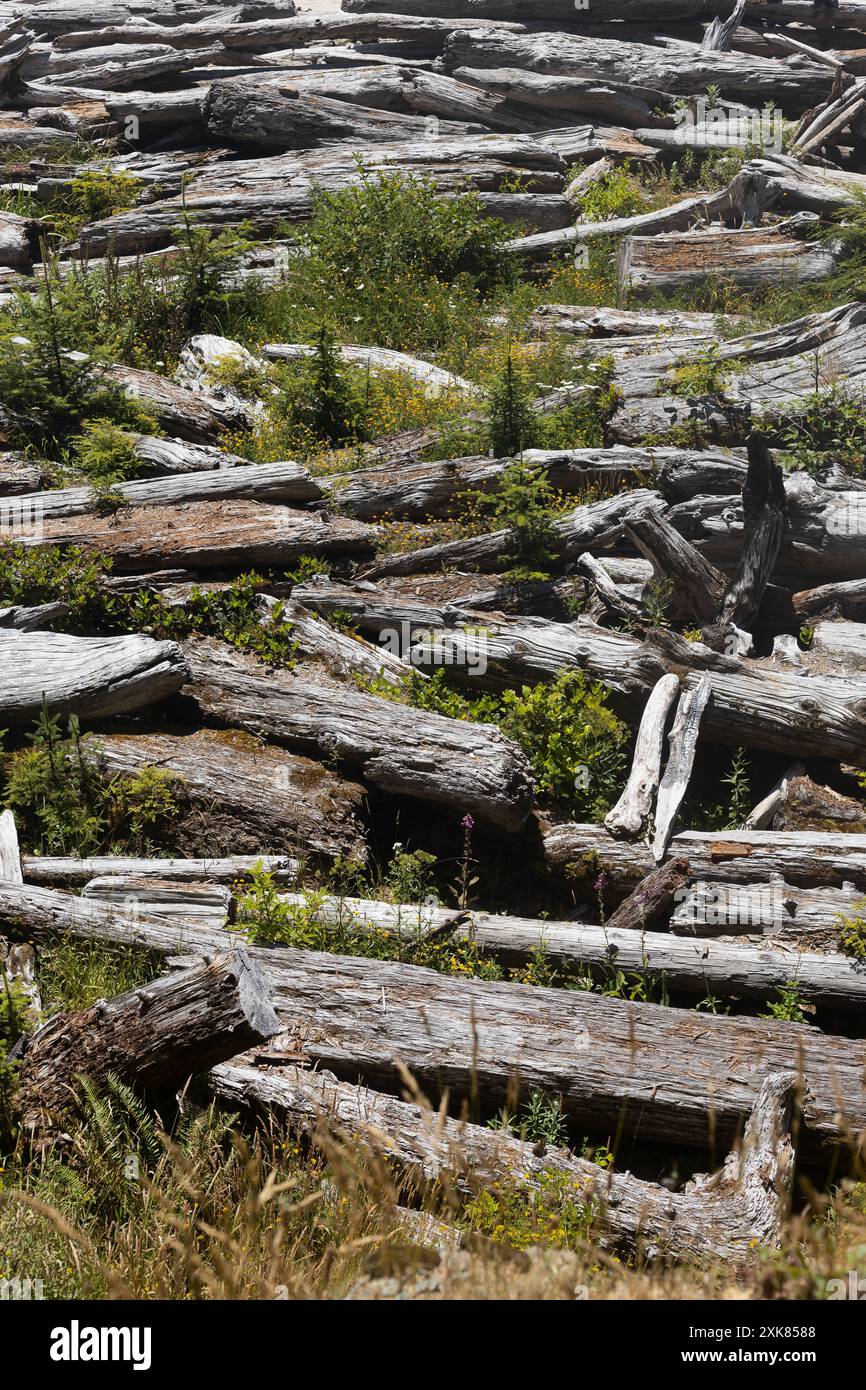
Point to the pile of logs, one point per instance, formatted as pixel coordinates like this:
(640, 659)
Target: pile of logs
(235, 118)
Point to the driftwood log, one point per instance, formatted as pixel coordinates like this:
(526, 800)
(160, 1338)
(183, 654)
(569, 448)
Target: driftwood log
(93, 676)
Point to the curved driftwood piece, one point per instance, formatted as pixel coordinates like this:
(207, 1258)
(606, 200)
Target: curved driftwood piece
(806, 858)
(682, 743)
(725, 1219)
(408, 752)
(152, 1038)
(255, 482)
(93, 677)
(239, 794)
(207, 535)
(631, 813)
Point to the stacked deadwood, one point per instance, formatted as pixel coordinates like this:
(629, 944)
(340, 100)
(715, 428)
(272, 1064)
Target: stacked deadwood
(236, 123)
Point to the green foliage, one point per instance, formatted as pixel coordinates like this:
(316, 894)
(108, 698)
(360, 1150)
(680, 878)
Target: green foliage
(410, 876)
(852, 935)
(74, 972)
(740, 794)
(551, 1213)
(30, 575)
(333, 415)
(233, 614)
(524, 503)
(511, 420)
(305, 568)
(93, 194)
(105, 453)
(616, 194)
(705, 375)
(304, 920)
(63, 803)
(789, 1007)
(576, 744)
(14, 1020)
(826, 427)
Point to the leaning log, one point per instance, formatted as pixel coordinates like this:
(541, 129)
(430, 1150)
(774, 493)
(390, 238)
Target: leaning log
(91, 676)
(629, 817)
(152, 1038)
(404, 751)
(725, 1219)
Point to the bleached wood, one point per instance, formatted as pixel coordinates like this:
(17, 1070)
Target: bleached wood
(10, 855)
(52, 871)
(93, 677)
(632, 812)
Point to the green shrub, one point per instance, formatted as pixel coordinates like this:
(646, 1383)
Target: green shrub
(232, 614)
(511, 419)
(616, 194)
(524, 502)
(825, 427)
(105, 453)
(852, 935)
(30, 575)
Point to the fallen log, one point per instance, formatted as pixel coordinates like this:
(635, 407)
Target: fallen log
(207, 535)
(374, 1018)
(845, 599)
(696, 588)
(191, 904)
(787, 915)
(251, 116)
(764, 516)
(724, 1219)
(748, 257)
(682, 743)
(239, 795)
(50, 870)
(678, 963)
(555, 97)
(585, 528)
(373, 359)
(655, 897)
(288, 483)
(10, 857)
(793, 83)
(404, 751)
(18, 474)
(152, 1038)
(192, 415)
(804, 858)
(94, 677)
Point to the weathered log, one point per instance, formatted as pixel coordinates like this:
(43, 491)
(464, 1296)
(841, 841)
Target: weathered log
(47, 869)
(587, 526)
(682, 743)
(805, 805)
(207, 535)
(612, 598)
(18, 474)
(803, 858)
(846, 599)
(257, 482)
(17, 240)
(556, 97)
(593, 321)
(408, 752)
(274, 191)
(152, 1038)
(600, 1054)
(762, 815)
(749, 257)
(631, 813)
(255, 117)
(764, 512)
(59, 18)
(788, 915)
(794, 83)
(92, 676)
(654, 897)
(239, 795)
(683, 965)
(373, 359)
(191, 415)
(696, 588)
(184, 904)
(112, 68)
(719, 37)
(724, 1220)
